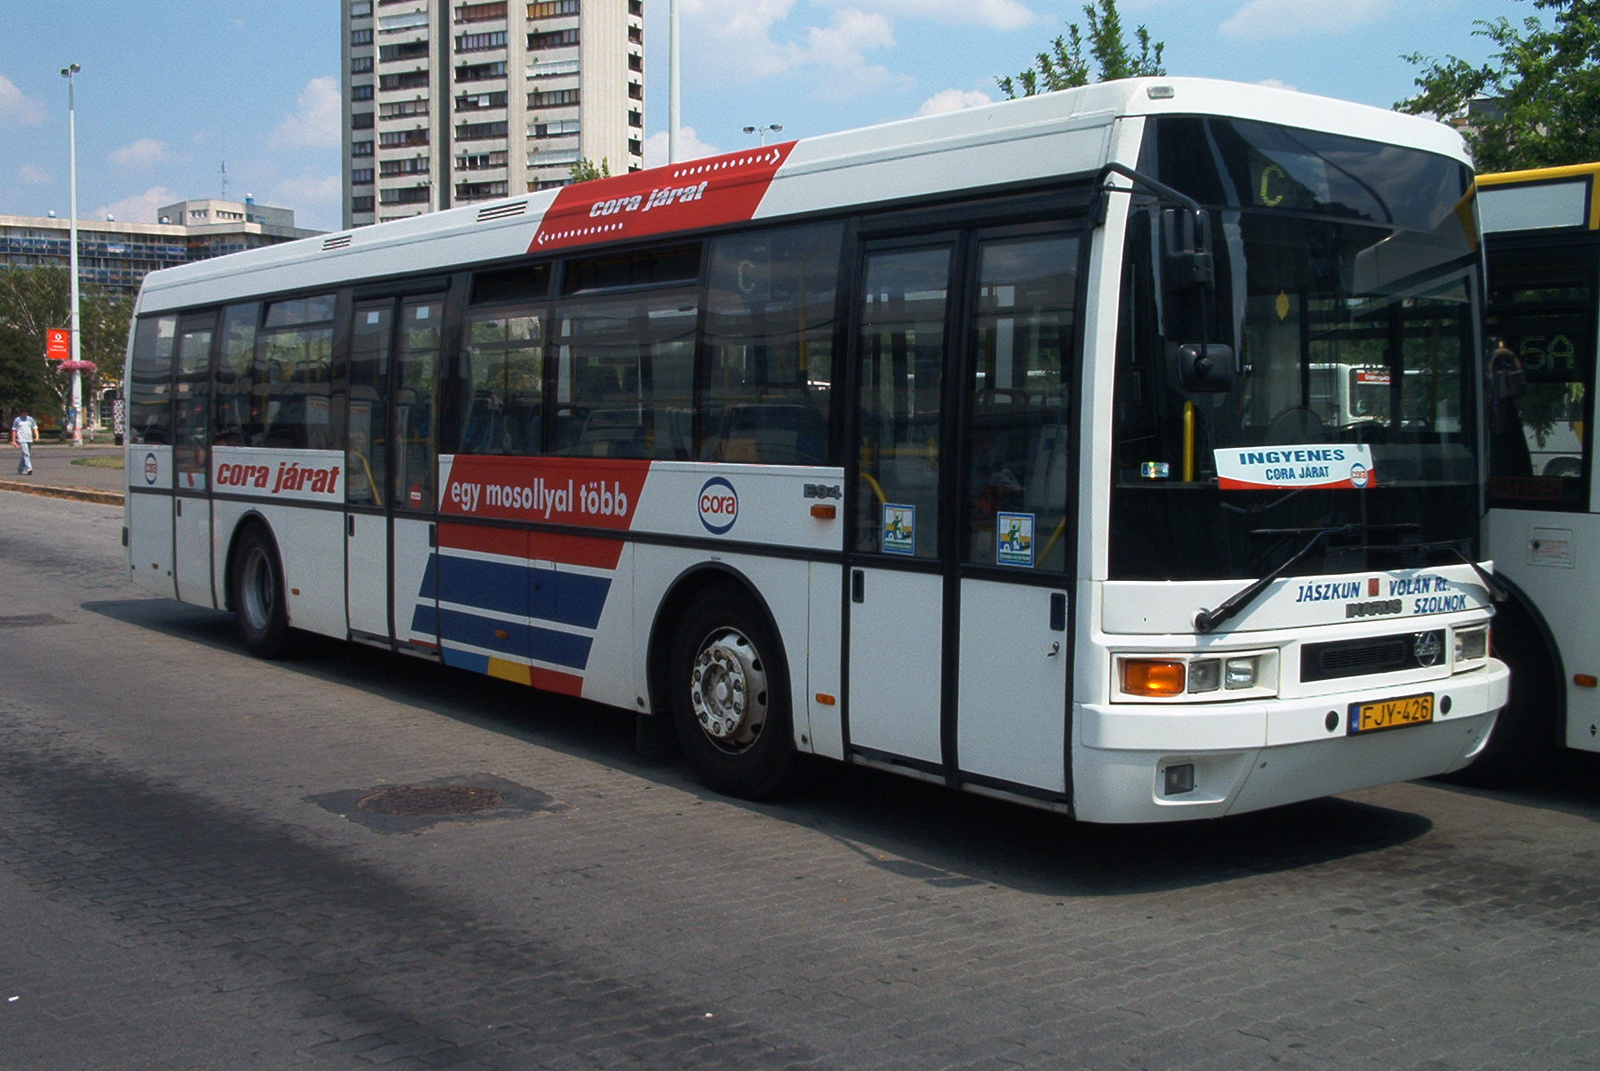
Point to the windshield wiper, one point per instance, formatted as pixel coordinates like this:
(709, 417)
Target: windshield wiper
(1497, 591)
(1207, 620)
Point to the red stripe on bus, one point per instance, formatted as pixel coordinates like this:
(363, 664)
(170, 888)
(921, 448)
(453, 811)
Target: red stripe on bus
(679, 197)
(509, 542)
(586, 551)
(584, 492)
(560, 683)
(575, 550)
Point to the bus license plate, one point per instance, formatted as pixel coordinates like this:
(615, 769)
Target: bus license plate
(1391, 713)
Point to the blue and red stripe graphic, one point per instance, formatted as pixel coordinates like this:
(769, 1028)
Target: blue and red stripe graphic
(519, 604)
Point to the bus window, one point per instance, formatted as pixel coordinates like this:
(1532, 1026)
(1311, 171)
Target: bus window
(294, 375)
(1542, 310)
(366, 444)
(626, 375)
(416, 403)
(1017, 408)
(502, 383)
(902, 374)
(769, 329)
(150, 383)
(234, 423)
(192, 399)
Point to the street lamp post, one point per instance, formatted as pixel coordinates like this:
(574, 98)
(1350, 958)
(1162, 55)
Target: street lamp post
(673, 116)
(76, 412)
(761, 131)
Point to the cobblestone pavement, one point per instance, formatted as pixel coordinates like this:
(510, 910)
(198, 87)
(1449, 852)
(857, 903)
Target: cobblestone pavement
(187, 884)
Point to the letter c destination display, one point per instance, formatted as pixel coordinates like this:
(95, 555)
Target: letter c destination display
(1314, 466)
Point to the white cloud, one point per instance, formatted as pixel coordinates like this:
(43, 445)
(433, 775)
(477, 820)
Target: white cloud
(746, 36)
(304, 192)
(954, 100)
(1278, 83)
(316, 121)
(690, 147)
(34, 175)
(1262, 19)
(839, 51)
(142, 154)
(140, 208)
(995, 14)
(17, 107)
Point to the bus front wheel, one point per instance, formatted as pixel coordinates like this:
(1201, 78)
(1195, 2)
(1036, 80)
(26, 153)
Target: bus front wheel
(1525, 733)
(730, 697)
(258, 598)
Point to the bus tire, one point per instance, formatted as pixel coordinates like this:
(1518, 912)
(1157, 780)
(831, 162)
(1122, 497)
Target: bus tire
(729, 696)
(259, 605)
(1524, 733)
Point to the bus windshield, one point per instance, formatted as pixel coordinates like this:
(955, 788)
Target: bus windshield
(1347, 281)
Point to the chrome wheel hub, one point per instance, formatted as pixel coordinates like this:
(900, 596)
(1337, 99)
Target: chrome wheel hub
(728, 690)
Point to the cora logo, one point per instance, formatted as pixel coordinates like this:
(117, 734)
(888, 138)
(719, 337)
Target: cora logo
(719, 505)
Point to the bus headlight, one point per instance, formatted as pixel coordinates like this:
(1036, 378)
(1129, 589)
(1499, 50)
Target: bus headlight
(1205, 675)
(1176, 677)
(1472, 645)
(1153, 678)
(1242, 673)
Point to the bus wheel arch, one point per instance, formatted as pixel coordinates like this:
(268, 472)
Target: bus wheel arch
(257, 594)
(719, 672)
(1527, 730)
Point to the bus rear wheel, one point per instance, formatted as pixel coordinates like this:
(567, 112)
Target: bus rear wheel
(730, 697)
(259, 606)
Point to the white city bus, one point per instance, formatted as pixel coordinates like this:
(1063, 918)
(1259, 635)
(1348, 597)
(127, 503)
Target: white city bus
(977, 447)
(1542, 236)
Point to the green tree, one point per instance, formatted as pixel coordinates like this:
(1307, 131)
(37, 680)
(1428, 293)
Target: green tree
(1538, 95)
(585, 171)
(33, 300)
(1064, 65)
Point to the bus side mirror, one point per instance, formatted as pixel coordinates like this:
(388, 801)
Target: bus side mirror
(1206, 368)
(1186, 249)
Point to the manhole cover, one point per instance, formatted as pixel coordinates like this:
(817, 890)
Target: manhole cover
(474, 797)
(414, 800)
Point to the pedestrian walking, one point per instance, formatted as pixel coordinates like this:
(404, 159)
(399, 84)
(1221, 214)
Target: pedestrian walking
(24, 430)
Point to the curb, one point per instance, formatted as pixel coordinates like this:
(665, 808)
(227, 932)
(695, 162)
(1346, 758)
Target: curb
(79, 494)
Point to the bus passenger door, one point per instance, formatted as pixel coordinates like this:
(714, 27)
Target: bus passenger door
(895, 604)
(958, 602)
(1011, 649)
(414, 469)
(191, 460)
(366, 472)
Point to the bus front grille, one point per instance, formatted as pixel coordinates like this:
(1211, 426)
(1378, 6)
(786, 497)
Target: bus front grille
(1370, 655)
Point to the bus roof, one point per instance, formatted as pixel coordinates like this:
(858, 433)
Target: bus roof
(1009, 143)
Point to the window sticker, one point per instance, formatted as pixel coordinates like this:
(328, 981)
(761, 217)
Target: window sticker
(1312, 466)
(1014, 539)
(899, 529)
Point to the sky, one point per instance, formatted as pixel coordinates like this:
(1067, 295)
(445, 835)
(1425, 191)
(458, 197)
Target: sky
(186, 99)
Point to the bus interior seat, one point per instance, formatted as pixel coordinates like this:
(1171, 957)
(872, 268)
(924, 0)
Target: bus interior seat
(780, 434)
(614, 433)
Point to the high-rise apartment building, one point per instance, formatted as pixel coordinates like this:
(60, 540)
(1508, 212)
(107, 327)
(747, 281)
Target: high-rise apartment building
(447, 102)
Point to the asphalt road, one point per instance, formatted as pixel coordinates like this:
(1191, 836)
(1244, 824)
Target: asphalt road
(187, 881)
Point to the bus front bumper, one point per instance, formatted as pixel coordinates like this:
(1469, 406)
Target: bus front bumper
(1129, 758)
